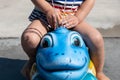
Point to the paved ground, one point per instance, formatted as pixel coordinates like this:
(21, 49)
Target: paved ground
(12, 59)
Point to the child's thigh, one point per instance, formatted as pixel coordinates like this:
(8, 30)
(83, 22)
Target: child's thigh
(90, 34)
(34, 32)
(86, 29)
(37, 26)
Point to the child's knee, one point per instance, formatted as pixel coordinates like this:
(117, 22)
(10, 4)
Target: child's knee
(98, 40)
(30, 39)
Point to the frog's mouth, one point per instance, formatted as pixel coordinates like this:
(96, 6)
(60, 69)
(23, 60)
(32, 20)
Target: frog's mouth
(69, 64)
(63, 71)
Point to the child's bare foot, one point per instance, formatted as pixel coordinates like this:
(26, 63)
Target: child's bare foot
(26, 69)
(102, 76)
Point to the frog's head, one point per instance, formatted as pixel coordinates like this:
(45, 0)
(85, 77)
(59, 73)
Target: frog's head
(62, 55)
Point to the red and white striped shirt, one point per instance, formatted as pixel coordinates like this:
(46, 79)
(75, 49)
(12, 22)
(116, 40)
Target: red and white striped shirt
(66, 5)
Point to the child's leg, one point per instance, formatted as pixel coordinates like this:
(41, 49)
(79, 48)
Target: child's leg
(30, 40)
(95, 42)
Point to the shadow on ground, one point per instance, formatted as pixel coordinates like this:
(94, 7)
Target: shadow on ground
(10, 69)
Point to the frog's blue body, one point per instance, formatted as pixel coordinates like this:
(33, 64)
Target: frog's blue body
(63, 55)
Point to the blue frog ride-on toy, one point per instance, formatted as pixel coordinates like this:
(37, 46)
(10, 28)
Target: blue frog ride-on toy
(62, 55)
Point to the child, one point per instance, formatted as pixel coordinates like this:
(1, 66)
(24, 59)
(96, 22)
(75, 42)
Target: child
(70, 14)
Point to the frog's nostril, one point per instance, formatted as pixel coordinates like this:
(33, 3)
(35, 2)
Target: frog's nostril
(62, 54)
(56, 54)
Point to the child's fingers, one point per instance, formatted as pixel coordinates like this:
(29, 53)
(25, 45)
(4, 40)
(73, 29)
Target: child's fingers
(58, 17)
(69, 24)
(52, 21)
(66, 19)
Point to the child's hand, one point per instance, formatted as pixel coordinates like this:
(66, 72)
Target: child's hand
(70, 21)
(53, 17)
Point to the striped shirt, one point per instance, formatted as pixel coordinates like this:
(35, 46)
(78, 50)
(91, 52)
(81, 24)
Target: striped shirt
(67, 6)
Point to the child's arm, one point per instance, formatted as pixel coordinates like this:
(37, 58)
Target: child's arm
(43, 5)
(84, 9)
(47, 9)
(73, 20)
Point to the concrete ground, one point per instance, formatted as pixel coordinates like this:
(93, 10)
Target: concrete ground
(13, 20)
(12, 59)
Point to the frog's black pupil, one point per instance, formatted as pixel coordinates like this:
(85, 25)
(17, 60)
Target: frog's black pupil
(45, 44)
(76, 42)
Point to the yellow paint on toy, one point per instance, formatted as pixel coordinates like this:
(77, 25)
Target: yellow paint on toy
(92, 68)
(33, 71)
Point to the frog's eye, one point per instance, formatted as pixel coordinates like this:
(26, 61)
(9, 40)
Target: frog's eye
(76, 40)
(46, 41)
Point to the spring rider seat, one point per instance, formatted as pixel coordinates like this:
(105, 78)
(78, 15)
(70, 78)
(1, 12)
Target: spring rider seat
(62, 55)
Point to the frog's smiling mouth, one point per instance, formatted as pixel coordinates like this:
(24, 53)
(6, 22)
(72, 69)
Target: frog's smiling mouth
(63, 72)
(61, 66)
